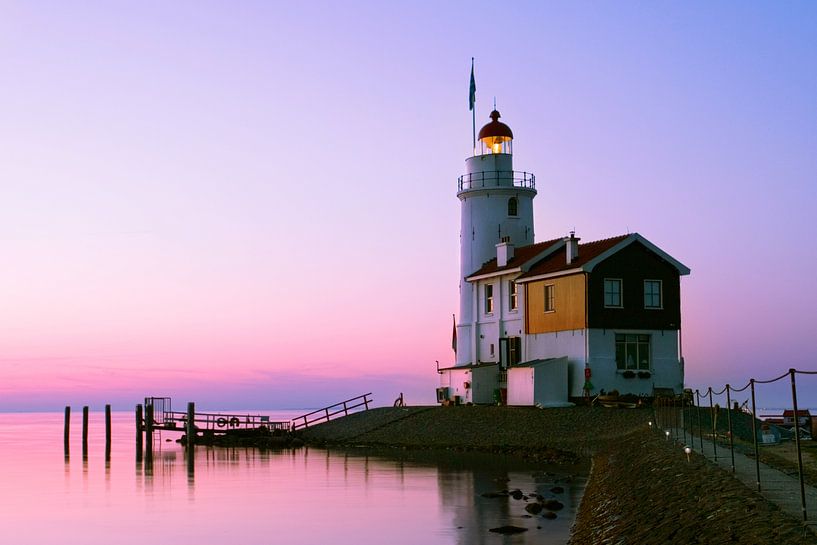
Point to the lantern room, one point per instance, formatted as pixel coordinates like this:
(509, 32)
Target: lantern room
(495, 137)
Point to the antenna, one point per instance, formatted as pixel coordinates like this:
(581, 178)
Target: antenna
(494, 103)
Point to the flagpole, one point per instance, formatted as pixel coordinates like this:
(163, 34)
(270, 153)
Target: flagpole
(474, 129)
(473, 113)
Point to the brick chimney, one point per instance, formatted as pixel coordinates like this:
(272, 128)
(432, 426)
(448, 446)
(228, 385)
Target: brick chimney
(572, 248)
(504, 252)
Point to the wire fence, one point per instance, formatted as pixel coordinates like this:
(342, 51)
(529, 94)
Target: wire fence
(772, 447)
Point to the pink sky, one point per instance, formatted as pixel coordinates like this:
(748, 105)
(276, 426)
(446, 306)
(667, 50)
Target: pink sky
(258, 202)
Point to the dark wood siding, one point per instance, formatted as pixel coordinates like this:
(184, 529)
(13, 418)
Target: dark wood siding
(633, 265)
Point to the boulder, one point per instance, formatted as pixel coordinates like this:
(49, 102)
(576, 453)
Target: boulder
(508, 530)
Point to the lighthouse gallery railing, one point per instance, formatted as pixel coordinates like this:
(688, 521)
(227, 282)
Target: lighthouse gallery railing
(496, 178)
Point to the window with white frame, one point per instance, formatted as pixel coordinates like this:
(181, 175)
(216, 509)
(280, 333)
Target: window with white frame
(489, 298)
(513, 299)
(632, 352)
(550, 298)
(612, 293)
(652, 294)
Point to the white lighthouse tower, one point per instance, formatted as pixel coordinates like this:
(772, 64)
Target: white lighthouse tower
(496, 209)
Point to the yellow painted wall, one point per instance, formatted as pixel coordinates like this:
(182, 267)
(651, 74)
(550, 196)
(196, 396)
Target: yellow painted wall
(569, 299)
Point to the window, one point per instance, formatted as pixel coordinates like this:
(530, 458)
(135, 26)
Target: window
(513, 207)
(513, 301)
(652, 294)
(489, 298)
(550, 298)
(612, 292)
(632, 352)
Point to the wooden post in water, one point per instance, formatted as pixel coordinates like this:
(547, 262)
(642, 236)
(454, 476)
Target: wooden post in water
(107, 433)
(149, 433)
(191, 438)
(66, 432)
(85, 432)
(139, 432)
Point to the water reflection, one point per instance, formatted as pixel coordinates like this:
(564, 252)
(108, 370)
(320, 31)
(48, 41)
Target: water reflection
(302, 496)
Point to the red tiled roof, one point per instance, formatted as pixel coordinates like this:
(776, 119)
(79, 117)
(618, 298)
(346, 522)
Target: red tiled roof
(557, 261)
(521, 255)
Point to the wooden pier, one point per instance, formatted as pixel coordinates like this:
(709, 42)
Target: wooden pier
(165, 418)
(157, 414)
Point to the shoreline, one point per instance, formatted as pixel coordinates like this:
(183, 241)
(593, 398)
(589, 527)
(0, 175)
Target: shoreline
(640, 488)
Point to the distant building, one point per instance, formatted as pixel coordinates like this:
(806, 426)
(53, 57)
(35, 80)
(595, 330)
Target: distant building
(609, 310)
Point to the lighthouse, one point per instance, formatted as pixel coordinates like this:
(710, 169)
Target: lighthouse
(496, 214)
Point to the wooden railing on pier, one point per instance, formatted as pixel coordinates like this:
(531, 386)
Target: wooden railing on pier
(165, 418)
(223, 422)
(326, 414)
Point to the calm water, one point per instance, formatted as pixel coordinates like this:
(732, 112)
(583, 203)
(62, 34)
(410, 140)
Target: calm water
(246, 496)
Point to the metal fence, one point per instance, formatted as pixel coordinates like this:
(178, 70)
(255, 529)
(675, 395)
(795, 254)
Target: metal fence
(738, 435)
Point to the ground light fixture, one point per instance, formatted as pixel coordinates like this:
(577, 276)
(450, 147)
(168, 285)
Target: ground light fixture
(666, 432)
(650, 423)
(687, 451)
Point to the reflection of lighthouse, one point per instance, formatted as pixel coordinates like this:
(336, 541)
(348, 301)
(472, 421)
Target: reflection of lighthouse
(497, 206)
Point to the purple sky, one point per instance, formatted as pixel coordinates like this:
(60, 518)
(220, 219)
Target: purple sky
(253, 204)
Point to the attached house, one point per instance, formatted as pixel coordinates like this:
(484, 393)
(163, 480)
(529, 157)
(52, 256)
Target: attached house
(611, 308)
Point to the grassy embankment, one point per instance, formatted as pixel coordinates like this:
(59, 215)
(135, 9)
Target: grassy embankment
(641, 489)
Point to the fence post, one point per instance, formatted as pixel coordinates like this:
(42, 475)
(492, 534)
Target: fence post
(754, 433)
(366, 401)
(797, 443)
(700, 426)
(714, 431)
(66, 431)
(675, 414)
(729, 420)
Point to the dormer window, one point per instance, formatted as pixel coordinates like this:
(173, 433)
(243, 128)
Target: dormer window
(513, 207)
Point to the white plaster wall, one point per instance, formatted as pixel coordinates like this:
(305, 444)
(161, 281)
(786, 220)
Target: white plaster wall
(464, 353)
(488, 335)
(455, 380)
(666, 371)
(570, 344)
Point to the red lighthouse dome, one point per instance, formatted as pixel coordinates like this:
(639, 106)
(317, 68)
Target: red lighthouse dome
(495, 137)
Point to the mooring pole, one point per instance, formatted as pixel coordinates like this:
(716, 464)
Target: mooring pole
(797, 443)
(139, 433)
(85, 432)
(754, 434)
(107, 433)
(149, 433)
(66, 431)
(191, 424)
(191, 438)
